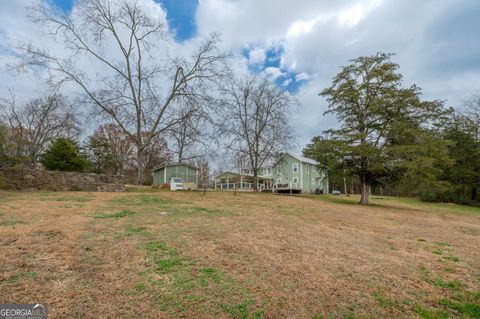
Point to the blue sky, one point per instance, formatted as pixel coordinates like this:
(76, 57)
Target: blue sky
(180, 15)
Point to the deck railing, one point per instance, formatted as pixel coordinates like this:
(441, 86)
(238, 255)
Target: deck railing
(241, 186)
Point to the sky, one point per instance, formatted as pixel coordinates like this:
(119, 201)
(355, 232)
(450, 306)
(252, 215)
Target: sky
(302, 44)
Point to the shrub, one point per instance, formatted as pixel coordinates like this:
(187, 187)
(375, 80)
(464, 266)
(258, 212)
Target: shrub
(64, 155)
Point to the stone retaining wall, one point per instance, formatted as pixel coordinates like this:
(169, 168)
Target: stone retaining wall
(30, 179)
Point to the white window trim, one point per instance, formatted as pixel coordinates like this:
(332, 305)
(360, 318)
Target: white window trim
(295, 180)
(307, 168)
(294, 165)
(279, 169)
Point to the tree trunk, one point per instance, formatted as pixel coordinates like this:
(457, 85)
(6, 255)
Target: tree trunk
(364, 199)
(345, 189)
(140, 167)
(255, 181)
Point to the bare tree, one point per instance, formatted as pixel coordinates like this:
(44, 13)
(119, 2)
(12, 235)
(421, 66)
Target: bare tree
(110, 149)
(139, 87)
(473, 111)
(254, 121)
(35, 124)
(204, 176)
(189, 139)
(155, 154)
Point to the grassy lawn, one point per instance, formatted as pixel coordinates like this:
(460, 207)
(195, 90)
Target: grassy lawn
(159, 254)
(401, 202)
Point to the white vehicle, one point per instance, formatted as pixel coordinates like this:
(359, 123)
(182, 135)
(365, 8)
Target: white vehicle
(176, 184)
(336, 192)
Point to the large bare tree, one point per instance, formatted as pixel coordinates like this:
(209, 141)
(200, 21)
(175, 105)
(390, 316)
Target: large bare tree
(254, 121)
(138, 86)
(35, 124)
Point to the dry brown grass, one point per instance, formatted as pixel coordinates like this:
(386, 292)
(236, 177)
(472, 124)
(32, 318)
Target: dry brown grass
(160, 254)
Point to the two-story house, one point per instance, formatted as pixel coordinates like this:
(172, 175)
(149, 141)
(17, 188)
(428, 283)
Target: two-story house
(289, 171)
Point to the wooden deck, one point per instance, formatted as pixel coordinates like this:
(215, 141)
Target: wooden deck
(288, 190)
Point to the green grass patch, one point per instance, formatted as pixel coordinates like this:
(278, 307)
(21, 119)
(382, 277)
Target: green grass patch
(211, 273)
(451, 258)
(425, 313)
(442, 244)
(424, 271)
(466, 304)
(447, 284)
(12, 280)
(385, 302)
(117, 215)
(145, 200)
(156, 246)
(134, 189)
(242, 310)
(178, 284)
(11, 222)
(70, 198)
(140, 287)
(32, 274)
(195, 211)
(438, 252)
(137, 230)
(29, 256)
(467, 309)
(440, 282)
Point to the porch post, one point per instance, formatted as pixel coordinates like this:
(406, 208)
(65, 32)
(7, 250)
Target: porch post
(215, 183)
(241, 181)
(228, 186)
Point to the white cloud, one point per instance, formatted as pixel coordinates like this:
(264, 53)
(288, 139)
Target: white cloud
(256, 56)
(273, 72)
(302, 77)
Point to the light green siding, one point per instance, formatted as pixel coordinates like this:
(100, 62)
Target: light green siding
(298, 174)
(165, 174)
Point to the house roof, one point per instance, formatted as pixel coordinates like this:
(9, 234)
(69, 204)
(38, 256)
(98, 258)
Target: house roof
(238, 174)
(302, 159)
(175, 164)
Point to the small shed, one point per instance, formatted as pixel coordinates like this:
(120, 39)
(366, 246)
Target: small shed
(188, 174)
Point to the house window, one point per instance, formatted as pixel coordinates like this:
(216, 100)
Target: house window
(279, 181)
(295, 167)
(295, 180)
(307, 168)
(279, 170)
(269, 171)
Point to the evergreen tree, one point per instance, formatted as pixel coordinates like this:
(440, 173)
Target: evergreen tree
(464, 150)
(65, 155)
(383, 125)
